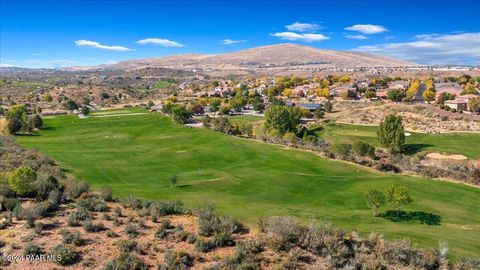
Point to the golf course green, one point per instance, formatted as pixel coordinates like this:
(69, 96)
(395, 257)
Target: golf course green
(138, 154)
(467, 144)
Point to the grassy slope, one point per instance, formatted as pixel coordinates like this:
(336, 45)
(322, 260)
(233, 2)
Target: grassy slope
(455, 143)
(138, 154)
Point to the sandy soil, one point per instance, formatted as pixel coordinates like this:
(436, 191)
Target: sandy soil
(441, 156)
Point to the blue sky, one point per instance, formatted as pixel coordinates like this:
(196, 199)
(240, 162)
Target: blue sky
(64, 33)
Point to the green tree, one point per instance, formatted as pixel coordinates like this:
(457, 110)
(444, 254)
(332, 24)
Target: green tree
(37, 121)
(328, 106)
(215, 104)
(444, 97)
(180, 114)
(71, 105)
(428, 95)
(85, 110)
(258, 104)
(396, 95)
(21, 180)
(474, 105)
(375, 200)
(398, 197)
(319, 113)
(370, 94)
(224, 109)
(237, 103)
(282, 118)
(391, 133)
(17, 118)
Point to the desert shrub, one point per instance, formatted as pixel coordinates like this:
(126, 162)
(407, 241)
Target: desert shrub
(38, 228)
(106, 216)
(210, 223)
(75, 217)
(165, 208)
(106, 194)
(131, 230)
(341, 150)
(10, 203)
(32, 250)
(42, 209)
(363, 149)
(43, 187)
(55, 196)
(90, 226)
(111, 234)
(126, 261)
(126, 245)
(73, 189)
(117, 212)
(176, 260)
(283, 233)
(5, 190)
(162, 230)
(244, 256)
(72, 237)
(93, 204)
(204, 245)
(326, 241)
(223, 240)
(131, 202)
(27, 215)
(65, 254)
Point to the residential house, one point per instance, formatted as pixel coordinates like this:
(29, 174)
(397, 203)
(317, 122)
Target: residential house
(402, 85)
(302, 90)
(457, 104)
(382, 93)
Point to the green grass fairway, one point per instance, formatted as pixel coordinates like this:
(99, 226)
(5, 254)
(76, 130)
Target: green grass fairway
(246, 118)
(137, 155)
(467, 144)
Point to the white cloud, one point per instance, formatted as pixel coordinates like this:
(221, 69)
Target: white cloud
(367, 29)
(6, 65)
(160, 41)
(231, 41)
(359, 37)
(94, 44)
(300, 37)
(433, 49)
(302, 27)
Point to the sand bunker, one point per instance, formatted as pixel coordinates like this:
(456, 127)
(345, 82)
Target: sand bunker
(440, 156)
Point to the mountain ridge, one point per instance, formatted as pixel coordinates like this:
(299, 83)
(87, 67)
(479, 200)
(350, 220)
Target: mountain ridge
(270, 56)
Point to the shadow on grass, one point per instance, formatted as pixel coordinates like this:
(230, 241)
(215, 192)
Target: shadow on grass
(183, 185)
(27, 134)
(47, 128)
(414, 148)
(404, 216)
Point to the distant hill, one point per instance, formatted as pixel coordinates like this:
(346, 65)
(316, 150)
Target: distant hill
(273, 56)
